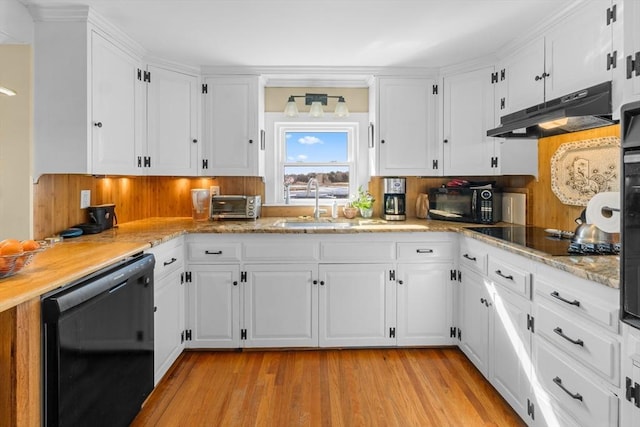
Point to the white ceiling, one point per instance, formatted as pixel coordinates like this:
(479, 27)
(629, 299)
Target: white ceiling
(323, 33)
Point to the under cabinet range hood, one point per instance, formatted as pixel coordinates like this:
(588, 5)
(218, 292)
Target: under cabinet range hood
(585, 109)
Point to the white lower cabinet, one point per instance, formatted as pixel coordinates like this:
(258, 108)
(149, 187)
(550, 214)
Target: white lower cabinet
(213, 308)
(630, 393)
(357, 305)
(169, 305)
(424, 304)
(280, 305)
(474, 319)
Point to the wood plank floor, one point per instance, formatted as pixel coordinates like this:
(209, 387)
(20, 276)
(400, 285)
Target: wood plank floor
(355, 387)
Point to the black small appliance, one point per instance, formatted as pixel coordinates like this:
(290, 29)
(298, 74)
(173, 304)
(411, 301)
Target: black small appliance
(466, 204)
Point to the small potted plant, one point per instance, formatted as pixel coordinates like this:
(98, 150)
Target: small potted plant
(364, 202)
(349, 211)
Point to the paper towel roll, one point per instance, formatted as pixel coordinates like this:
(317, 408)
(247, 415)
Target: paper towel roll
(606, 221)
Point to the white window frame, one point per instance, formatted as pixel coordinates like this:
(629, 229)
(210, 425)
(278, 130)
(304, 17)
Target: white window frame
(277, 126)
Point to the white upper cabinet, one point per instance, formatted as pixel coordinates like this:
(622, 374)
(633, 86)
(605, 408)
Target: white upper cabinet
(233, 141)
(116, 103)
(520, 76)
(631, 67)
(576, 50)
(88, 102)
(572, 55)
(469, 111)
(172, 123)
(407, 131)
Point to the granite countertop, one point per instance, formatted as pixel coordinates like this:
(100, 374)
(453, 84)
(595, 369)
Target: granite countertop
(75, 258)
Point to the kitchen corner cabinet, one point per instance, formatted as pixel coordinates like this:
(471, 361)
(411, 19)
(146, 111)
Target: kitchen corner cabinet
(233, 142)
(169, 305)
(468, 112)
(89, 104)
(570, 56)
(172, 135)
(407, 130)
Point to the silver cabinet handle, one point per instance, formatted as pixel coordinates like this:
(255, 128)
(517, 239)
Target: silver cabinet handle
(579, 342)
(499, 273)
(558, 382)
(556, 295)
(207, 252)
(424, 251)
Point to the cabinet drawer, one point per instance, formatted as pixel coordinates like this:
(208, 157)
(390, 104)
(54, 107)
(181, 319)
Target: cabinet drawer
(579, 339)
(280, 250)
(473, 257)
(169, 258)
(578, 302)
(213, 252)
(577, 392)
(510, 276)
(419, 251)
(361, 251)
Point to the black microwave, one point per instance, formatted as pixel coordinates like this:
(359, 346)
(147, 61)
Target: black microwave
(464, 204)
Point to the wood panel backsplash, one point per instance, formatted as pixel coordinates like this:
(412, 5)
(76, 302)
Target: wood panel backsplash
(57, 197)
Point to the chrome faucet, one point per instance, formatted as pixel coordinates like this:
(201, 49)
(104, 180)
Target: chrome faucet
(316, 212)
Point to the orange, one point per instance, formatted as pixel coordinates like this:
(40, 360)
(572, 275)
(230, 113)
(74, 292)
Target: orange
(30, 245)
(11, 247)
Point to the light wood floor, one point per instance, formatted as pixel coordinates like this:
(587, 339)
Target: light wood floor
(356, 387)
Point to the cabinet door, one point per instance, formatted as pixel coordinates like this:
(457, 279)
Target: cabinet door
(576, 50)
(168, 323)
(231, 144)
(116, 100)
(468, 114)
(631, 44)
(407, 136)
(172, 123)
(281, 305)
(511, 365)
(213, 313)
(474, 319)
(357, 305)
(523, 85)
(424, 304)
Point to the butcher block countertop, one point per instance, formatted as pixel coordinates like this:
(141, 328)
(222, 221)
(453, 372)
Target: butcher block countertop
(74, 258)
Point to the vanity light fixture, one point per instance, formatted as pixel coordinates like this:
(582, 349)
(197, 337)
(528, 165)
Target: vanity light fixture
(7, 91)
(316, 101)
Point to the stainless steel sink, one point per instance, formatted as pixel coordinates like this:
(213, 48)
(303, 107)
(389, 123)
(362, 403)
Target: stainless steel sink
(313, 225)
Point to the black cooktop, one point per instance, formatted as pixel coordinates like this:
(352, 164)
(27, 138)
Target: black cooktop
(543, 241)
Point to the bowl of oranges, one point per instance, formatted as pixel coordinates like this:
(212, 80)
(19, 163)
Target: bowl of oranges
(16, 254)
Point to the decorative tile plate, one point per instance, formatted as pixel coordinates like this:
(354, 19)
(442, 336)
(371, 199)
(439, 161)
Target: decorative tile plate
(581, 169)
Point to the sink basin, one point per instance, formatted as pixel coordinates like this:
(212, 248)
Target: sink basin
(313, 225)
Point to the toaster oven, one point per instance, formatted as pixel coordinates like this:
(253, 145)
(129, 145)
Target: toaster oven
(235, 207)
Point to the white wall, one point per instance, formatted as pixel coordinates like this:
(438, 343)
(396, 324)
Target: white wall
(16, 121)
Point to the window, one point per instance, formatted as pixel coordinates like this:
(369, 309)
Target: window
(324, 151)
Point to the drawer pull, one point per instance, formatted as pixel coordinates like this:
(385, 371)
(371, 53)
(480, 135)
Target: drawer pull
(556, 295)
(499, 273)
(579, 342)
(170, 262)
(471, 258)
(213, 252)
(424, 251)
(558, 382)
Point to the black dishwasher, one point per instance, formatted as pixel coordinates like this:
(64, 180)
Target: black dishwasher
(98, 346)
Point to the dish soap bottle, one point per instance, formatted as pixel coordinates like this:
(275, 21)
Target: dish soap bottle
(334, 210)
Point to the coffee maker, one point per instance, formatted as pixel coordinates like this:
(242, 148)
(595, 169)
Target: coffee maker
(394, 199)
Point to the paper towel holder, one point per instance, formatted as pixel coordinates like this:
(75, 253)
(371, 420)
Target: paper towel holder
(607, 211)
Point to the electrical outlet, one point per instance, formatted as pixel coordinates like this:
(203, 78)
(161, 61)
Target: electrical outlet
(85, 199)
